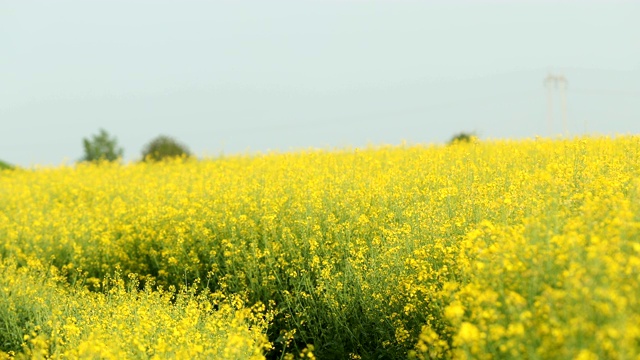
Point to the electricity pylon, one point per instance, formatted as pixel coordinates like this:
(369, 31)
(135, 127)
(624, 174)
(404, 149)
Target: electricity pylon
(559, 83)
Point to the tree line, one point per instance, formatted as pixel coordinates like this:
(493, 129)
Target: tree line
(104, 147)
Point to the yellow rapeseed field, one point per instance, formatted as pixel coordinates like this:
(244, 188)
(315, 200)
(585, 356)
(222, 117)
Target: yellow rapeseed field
(489, 249)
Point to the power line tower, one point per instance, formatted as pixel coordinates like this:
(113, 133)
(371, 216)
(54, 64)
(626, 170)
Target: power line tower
(556, 83)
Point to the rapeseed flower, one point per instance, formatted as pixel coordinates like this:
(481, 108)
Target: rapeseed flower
(492, 249)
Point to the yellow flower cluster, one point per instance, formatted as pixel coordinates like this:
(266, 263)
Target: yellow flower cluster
(555, 273)
(63, 322)
(497, 249)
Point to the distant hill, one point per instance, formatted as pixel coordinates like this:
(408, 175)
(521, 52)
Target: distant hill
(4, 165)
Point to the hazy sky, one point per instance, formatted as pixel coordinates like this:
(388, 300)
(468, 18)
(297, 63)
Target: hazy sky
(238, 76)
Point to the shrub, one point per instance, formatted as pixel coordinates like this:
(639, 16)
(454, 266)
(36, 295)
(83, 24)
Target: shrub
(462, 137)
(4, 165)
(164, 147)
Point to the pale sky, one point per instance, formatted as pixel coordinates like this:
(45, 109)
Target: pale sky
(238, 76)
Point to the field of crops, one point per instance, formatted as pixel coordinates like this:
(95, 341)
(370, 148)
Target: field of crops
(493, 249)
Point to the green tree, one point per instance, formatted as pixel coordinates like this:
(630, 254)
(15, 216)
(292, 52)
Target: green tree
(164, 147)
(101, 147)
